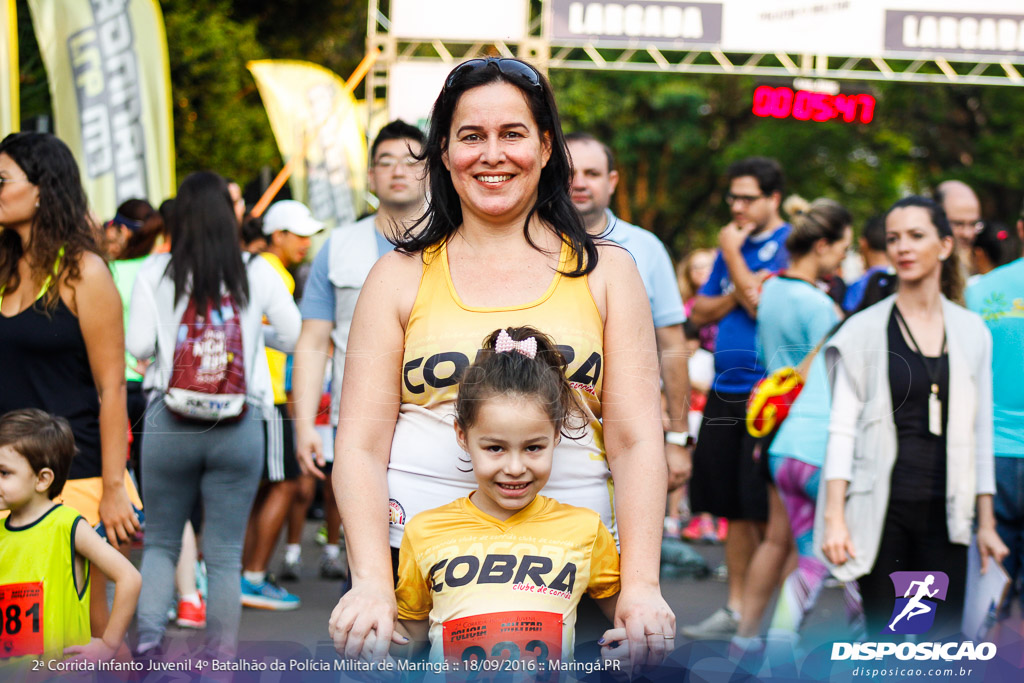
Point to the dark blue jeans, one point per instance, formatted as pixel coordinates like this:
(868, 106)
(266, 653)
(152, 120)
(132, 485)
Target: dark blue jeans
(1009, 508)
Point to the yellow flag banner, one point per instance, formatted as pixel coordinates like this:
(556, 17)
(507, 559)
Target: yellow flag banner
(10, 105)
(315, 117)
(110, 83)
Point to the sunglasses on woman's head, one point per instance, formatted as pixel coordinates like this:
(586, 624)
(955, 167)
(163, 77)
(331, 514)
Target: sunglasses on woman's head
(508, 67)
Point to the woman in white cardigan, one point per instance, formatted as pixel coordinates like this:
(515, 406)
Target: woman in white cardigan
(909, 464)
(183, 460)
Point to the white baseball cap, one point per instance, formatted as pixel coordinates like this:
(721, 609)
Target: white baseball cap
(292, 216)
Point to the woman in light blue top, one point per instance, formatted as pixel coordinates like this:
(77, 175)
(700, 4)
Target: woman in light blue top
(793, 316)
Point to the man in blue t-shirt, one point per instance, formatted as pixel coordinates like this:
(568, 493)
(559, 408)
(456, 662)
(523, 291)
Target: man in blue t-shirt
(397, 177)
(726, 480)
(593, 183)
(999, 298)
(871, 247)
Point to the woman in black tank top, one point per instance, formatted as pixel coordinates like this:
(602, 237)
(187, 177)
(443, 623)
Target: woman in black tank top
(61, 336)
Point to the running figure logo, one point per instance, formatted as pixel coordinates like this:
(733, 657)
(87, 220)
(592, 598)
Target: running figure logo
(917, 594)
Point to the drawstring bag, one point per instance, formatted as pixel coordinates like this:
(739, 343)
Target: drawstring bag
(208, 371)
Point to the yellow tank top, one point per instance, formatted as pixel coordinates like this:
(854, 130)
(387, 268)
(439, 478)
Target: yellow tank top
(43, 612)
(277, 361)
(443, 335)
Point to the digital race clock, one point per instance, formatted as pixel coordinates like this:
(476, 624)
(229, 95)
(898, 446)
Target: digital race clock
(806, 105)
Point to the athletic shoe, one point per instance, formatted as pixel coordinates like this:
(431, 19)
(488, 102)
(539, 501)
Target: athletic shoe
(290, 570)
(692, 531)
(191, 615)
(721, 625)
(321, 534)
(331, 567)
(723, 529)
(268, 595)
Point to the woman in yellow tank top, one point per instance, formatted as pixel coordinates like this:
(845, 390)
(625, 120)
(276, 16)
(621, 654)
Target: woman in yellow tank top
(500, 245)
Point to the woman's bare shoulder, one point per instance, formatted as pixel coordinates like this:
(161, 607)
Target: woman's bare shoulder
(92, 265)
(393, 283)
(397, 267)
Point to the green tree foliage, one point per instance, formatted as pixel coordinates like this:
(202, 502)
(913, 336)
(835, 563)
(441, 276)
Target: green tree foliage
(219, 120)
(675, 135)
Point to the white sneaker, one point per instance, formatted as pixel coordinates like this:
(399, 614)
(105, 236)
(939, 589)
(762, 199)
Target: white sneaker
(721, 625)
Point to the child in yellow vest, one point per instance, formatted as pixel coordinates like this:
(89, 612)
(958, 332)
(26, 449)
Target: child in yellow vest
(47, 549)
(498, 575)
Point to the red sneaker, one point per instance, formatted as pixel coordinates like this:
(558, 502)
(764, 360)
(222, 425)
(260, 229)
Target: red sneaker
(191, 615)
(723, 529)
(692, 530)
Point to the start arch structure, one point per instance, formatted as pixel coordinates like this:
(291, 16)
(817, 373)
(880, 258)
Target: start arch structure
(952, 42)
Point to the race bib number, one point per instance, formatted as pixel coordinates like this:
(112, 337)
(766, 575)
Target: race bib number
(504, 641)
(21, 619)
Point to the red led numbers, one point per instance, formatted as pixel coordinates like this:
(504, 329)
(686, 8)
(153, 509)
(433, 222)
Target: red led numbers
(804, 105)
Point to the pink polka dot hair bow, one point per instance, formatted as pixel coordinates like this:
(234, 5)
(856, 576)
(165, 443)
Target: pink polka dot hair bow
(506, 344)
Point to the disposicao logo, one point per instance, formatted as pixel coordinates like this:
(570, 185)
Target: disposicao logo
(917, 596)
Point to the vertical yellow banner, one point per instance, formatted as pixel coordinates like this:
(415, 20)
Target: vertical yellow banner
(314, 117)
(10, 103)
(107, 64)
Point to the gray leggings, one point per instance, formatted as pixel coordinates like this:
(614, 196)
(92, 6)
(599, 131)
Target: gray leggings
(181, 461)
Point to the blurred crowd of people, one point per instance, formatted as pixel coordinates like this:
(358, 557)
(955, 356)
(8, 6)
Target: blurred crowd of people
(822, 414)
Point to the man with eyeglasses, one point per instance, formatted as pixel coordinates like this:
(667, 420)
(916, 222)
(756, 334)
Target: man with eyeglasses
(964, 213)
(593, 183)
(397, 177)
(726, 480)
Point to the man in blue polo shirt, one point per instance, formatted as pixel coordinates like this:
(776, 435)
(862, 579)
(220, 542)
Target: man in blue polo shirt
(726, 480)
(999, 298)
(594, 181)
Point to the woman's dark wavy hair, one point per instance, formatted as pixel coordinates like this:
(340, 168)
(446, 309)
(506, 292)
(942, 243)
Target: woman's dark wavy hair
(205, 258)
(554, 206)
(513, 374)
(951, 280)
(60, 221)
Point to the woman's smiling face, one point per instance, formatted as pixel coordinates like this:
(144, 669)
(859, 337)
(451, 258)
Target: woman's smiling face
(495, 153)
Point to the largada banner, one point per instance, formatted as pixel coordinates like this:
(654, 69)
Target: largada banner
(9, 100)
(110, 82)
(314, 116)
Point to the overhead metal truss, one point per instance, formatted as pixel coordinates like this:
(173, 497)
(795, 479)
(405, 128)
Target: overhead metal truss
(650, 58)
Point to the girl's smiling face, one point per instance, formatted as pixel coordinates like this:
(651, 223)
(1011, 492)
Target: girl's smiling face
(511, 444)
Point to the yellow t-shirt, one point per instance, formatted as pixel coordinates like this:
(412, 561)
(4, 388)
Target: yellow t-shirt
(43, 612)
(278, 360)
(507, 589)
(442, 337)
